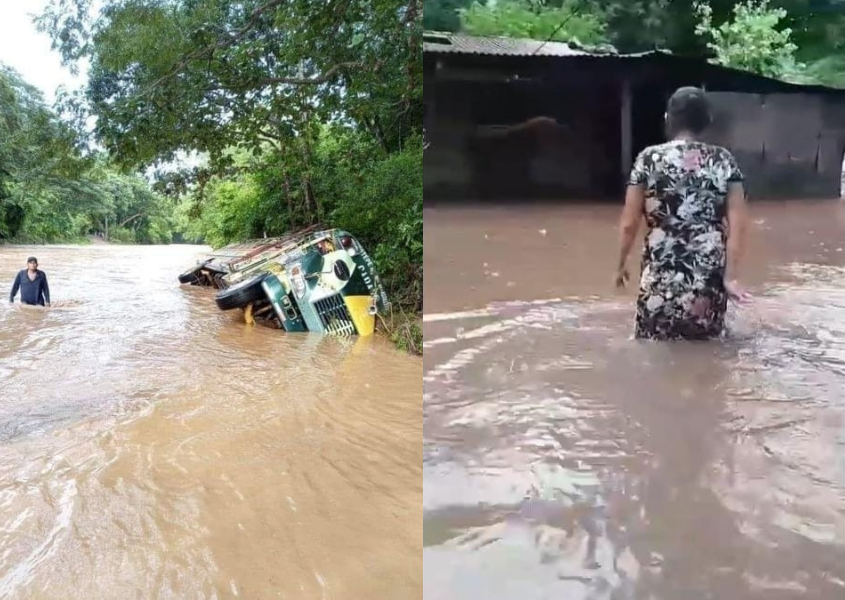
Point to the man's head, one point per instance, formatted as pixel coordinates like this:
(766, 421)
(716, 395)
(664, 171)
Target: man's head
(32, 263)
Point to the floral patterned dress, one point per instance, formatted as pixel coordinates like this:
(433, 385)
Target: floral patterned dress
(682, 291)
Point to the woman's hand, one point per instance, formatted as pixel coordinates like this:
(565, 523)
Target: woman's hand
(735, 292)
(622, 277)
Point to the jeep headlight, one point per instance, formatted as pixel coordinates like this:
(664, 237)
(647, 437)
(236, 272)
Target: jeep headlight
(297, 280)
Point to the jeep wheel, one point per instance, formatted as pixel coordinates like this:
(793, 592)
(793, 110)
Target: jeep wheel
(191, 275)
(241, 294)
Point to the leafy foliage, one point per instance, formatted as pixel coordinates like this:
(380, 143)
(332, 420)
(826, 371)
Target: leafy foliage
(442, 15)
(534, 20)
(36, 151)
(637, 24)
(210, 75)
(49, 192)
(753, 41)
(385, 211)
(829, 70)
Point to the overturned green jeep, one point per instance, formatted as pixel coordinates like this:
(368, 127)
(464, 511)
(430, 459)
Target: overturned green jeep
(319, 280)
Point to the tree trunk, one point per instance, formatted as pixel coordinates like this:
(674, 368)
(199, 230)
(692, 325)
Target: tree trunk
(311, 201)
(289, 199)
(379, 133)
(307, 200)
(314, 200)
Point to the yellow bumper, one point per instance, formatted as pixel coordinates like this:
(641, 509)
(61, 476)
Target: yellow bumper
(359, 310)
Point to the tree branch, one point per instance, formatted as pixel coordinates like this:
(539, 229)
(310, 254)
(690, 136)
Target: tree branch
(411, 12)
(132, 218)
(311, 80)
(218, 45)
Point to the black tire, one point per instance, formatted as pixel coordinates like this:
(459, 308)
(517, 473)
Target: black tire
(191, 275)
(241, 294)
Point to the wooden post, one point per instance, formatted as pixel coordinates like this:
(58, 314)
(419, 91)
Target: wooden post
(626, 134)
(430, 103)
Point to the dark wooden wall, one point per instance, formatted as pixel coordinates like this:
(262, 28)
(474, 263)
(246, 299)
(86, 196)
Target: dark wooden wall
(789, 141)
(788, 145)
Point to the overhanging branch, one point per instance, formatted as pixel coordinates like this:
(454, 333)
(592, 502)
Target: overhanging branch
(218, 45)
(311, 80)
(132, 218)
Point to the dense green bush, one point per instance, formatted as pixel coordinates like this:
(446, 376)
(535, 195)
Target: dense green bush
(122, 235)
(49, 192)
(565, 21)
(385, 212)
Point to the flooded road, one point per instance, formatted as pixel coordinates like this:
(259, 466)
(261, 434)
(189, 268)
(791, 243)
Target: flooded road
(564, 460)
(152, 446)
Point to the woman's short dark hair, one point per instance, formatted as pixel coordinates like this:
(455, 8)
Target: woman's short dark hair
(688, 110)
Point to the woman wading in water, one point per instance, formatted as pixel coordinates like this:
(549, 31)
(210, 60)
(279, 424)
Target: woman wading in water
(692, 198)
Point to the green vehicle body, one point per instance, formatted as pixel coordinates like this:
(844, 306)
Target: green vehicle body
(317, 280)
(289, 317)
(334, 286)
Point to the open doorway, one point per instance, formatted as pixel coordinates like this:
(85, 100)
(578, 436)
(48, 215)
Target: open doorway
(648, 108)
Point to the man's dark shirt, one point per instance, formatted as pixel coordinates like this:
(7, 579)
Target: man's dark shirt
(32, 292)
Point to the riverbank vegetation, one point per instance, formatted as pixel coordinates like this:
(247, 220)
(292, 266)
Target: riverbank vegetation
(799, 41)
(51, 192)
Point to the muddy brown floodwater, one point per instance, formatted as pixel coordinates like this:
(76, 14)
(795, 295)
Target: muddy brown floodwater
(564, 460)
(152, 446)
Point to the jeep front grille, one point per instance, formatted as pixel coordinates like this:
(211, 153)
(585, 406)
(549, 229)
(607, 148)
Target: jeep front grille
(335, 316)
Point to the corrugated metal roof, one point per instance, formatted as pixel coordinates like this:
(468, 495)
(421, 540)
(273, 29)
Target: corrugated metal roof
(455, 43)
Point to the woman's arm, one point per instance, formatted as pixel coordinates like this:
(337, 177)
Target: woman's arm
(629, 225)
(737, 224)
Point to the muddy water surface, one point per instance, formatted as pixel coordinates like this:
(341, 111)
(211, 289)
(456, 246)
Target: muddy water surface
(564, 460)
(152, 446)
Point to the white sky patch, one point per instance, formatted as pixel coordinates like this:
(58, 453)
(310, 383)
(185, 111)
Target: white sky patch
(27, 51)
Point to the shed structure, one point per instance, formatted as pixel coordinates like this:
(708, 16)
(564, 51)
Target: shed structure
(520, 119)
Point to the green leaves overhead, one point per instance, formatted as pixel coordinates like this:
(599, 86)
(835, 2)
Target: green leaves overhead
(207, 75)
(754, 40)
(534, 20)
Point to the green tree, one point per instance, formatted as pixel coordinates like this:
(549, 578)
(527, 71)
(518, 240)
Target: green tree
(755, 40)
(568, 22)
(50, 192)
(817, 29)
(637, 25)
(210, 75)
(39, 159)
(442, 15)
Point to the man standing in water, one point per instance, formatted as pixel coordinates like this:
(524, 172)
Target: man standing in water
(33, 285)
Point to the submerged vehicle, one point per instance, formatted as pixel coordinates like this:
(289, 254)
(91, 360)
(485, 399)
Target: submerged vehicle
(319, 280)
